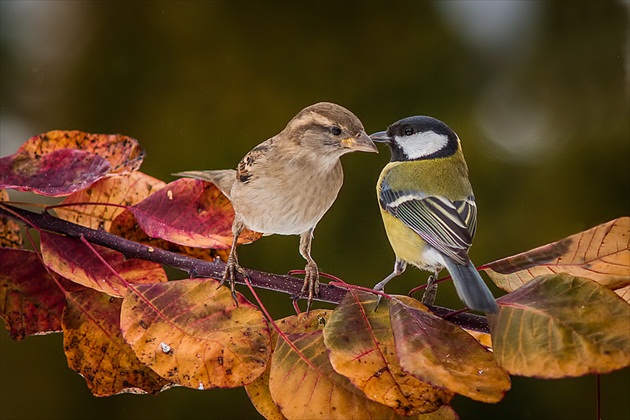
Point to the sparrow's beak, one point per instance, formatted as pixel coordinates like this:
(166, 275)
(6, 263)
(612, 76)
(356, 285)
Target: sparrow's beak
(381, 137)
(360, 142)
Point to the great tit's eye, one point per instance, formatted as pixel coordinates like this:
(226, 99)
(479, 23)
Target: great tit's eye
(409, 131)
(335, 130)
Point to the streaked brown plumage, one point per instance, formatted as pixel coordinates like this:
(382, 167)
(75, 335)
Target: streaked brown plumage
(286, 184)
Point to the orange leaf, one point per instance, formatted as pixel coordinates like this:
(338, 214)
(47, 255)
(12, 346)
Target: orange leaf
(260, 394)
(75, 261)
(123, 153)
(96, 349)
(561, 326)
(304, 384)
(30, 300)
(126, 190)
(193, 334)
(443, 354)
(362, 348)
(190, 212)
(601, 254)
(10, 232)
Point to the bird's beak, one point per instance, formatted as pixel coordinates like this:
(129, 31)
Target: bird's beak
(360, 142)
(381, 137)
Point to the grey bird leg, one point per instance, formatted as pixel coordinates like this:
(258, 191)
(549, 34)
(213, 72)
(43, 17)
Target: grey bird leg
(232, 265)
(399, 267)
(311, 277)
(428, 297)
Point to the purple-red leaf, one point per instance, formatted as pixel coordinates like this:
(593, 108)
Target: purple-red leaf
(58, 173)
(77, 262)
(30, 300)
(192, 213)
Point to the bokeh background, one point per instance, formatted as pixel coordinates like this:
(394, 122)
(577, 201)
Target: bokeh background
(538, 92)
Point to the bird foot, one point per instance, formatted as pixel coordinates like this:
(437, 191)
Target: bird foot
(430, 293)
(231, 268)
(311, 284)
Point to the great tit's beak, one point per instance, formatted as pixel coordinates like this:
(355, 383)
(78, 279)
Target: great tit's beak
(360, 142)
(381, 137)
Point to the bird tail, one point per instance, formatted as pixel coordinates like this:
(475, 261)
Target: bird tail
(470, 287)
(223, 179)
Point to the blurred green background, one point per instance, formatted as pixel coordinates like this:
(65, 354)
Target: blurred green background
(538, 92)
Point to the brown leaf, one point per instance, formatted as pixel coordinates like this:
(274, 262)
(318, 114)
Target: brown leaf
(30, 300)
(126, 226)
(192, 213)
(304, 384)
(561, 326)
(362, 348)
(123, 153)
(10, 232)
(55, 174)
(95, 348)
(125, 190)
(74, 260)
(193, 334)
(601, 254)
(443, 354)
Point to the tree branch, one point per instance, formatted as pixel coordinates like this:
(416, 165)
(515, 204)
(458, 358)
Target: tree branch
(200, 268)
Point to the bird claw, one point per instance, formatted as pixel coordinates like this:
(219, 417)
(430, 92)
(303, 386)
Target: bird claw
(232, 267)
(311, 283)
(430, 293)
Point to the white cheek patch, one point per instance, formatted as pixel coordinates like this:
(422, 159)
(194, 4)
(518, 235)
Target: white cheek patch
(422, 144)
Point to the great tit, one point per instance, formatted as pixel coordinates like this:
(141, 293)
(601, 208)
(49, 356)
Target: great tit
(428, 206)
(286, 184)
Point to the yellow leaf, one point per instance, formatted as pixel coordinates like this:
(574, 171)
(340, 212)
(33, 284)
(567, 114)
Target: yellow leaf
(561, 326)
(601, 254)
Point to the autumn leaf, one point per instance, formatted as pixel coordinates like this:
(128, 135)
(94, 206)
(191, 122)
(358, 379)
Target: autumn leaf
(362, 348)
(561, 326)
(10, 233)
(123, 153)
(192, 213)
(59, 163)
(260, 394)
(126, 226)
(124, 190)
(76, 261)
(443, 354)
(95, 348)
(304, 384)
(192, 333)
(30, 300)
(58, 173)
(601, 254)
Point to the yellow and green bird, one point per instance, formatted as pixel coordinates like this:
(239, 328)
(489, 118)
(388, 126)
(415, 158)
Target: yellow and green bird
(428, 206)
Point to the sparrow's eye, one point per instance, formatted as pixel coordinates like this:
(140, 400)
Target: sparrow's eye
(409, 131)
(335, 130)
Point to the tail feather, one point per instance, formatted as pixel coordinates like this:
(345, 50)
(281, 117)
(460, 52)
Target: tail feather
(470, 287)
(223, 179)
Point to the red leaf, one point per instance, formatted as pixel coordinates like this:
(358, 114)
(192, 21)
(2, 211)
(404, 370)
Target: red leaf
(30, 300)
(74, 260)
(61, 172)
(192, 213)
(10, 232)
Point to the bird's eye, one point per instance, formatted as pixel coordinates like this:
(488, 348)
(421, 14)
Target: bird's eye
(335, 130)
(409, 131)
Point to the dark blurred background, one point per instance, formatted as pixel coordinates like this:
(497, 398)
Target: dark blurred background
(538, 92)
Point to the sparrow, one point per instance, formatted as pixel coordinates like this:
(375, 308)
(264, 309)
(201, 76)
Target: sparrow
(428, 206)
(286, 184)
